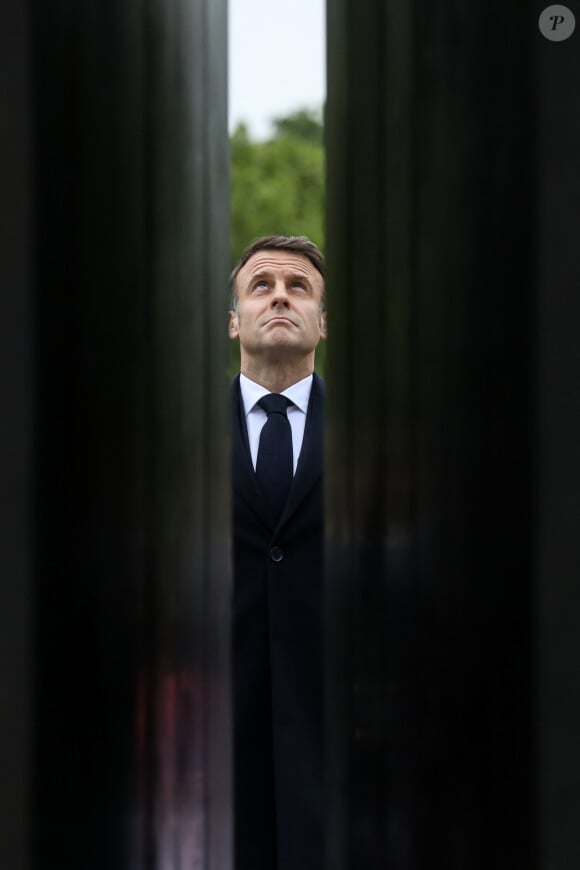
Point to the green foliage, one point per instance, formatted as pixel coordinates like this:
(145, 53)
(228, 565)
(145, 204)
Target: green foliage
(277, 186)
(304, 124)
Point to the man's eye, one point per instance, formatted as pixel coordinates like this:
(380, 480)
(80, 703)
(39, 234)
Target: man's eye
(260, 285)
(298, 285)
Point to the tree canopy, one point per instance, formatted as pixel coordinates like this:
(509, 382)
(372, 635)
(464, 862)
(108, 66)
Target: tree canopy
(278, 184)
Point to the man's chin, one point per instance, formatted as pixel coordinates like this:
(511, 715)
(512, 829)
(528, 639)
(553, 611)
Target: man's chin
(278, 350)
(281, 337)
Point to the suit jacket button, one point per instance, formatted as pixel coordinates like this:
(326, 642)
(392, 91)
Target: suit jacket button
(276, 554)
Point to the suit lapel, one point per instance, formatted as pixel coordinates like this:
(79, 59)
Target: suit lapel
(311, 460)
(243, 474)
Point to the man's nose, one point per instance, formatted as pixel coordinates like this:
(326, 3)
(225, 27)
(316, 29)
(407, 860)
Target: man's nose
(280, 294)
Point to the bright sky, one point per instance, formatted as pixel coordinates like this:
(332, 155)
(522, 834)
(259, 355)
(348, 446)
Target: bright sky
(277, 60)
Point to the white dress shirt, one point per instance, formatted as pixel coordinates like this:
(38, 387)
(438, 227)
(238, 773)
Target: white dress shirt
(298, 393)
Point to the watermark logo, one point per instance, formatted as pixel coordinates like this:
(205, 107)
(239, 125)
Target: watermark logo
(557, 23)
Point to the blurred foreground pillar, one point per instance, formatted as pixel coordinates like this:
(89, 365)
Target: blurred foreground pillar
(115, 574)
(453, 146)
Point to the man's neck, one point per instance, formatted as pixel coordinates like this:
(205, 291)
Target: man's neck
(277, 377)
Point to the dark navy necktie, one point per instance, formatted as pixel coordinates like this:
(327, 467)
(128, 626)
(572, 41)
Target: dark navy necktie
(274, 465)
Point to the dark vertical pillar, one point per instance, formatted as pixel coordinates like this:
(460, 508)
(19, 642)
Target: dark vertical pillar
(120, 267)
(442, 187)
(16, 408)
(557, 436)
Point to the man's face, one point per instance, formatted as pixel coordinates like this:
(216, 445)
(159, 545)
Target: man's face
(278, 314)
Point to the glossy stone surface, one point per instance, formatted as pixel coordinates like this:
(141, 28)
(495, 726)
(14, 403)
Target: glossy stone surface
(445, 620)
(124, 617)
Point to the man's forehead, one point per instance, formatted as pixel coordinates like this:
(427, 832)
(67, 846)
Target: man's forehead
(264, 261)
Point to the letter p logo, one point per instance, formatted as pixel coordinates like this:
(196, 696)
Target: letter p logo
(557, 23)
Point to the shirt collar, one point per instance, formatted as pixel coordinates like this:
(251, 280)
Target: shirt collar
(298, 393)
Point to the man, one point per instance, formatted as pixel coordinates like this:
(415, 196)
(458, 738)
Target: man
(278, 315)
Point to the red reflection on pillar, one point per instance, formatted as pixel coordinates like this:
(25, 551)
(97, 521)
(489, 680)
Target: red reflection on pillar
(170, 741)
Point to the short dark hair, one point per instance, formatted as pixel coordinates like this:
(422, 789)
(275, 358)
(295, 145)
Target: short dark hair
(295, 244)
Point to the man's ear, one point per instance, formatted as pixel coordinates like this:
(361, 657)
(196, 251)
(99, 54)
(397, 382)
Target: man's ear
(323, 325)
(234, 326)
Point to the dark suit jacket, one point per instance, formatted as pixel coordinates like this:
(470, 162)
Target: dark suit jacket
(277, 657)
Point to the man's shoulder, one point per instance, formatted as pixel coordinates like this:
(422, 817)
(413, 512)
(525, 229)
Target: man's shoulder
(318, 384)
(235, 386)
(235, 396)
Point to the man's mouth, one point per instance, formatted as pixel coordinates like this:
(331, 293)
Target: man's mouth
(281, 318)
